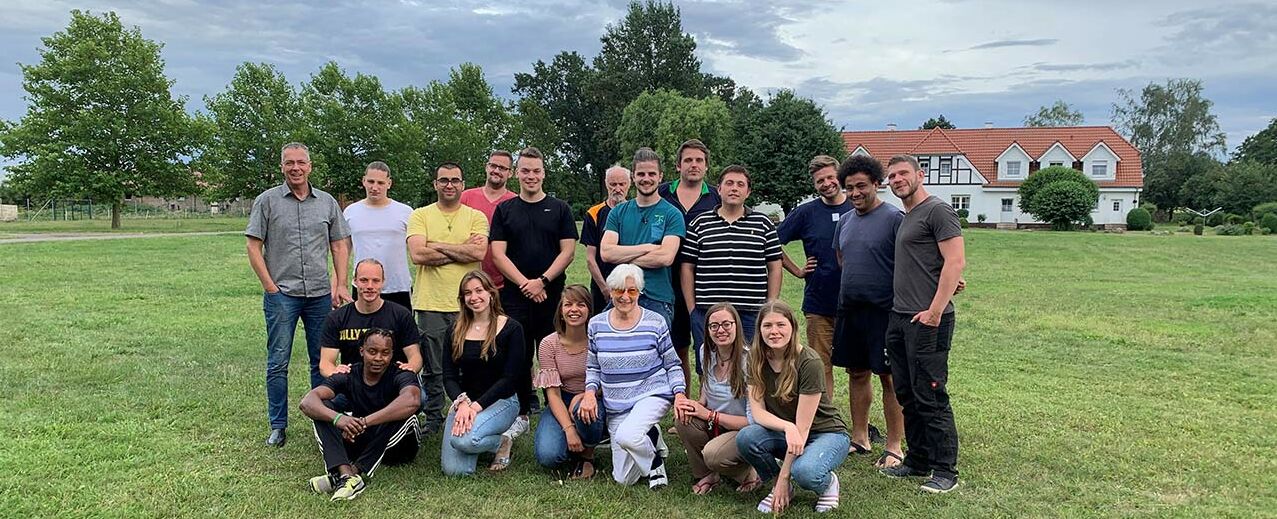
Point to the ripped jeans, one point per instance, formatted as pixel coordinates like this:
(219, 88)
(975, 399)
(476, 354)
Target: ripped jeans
(811, 470)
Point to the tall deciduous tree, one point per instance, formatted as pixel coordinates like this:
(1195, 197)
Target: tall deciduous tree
(562, 91)
(1058, 114)
(101, 121)
(937, 122)
(779, 141)
(1164, 119)
(663, 119)
(1169, 180)
(257, 114)
(1260, 147)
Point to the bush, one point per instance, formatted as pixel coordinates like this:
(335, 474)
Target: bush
(1184, 228)
(1249, 228)
(1198, 221)
(1059, 195)
(1197, 228)
(1216, 220)
(981, 217)
(1139, 219)
(1269, 222)
(1149, 206)
(963, 213)
(1231, 230)
(1234, 219)
(1182, 218)
(1264, 209)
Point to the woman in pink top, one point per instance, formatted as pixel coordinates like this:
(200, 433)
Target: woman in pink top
(561, 435)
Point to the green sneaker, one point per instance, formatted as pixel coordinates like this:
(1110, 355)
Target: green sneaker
(322, 484)
(348, 488)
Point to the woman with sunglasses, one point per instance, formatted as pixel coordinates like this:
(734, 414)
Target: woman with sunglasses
(708, 426)
(632, 361)
(561, 435)
(480, 374)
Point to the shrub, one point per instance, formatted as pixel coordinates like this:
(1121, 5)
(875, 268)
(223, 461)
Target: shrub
(1059, 195)
(1263, 209)
(981, 217)
(1231, 230)
(1149, 206)
(1198, 221)
(1235, 219)
(1182, 218)
(1197, 228)
(1139, 219)
(963, 213)
(1184, 228)
(1248, 228)
(1216, 220)
(1269, 222)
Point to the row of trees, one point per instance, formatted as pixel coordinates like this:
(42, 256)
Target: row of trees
(102, 122)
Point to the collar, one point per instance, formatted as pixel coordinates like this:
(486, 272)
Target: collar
(674, 185)
(285, 191)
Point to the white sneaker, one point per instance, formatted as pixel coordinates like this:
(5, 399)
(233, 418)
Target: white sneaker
(662, 449)
(657, 478)
(517, 428)
(829, 499)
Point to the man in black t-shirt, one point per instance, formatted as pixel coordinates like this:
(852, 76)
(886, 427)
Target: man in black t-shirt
(345, 325)
(381, 425)
(523, 234)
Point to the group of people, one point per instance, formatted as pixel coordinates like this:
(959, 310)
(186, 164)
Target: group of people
(461, 310)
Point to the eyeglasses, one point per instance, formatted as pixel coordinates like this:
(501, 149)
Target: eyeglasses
(498, 167)
(723, 325)
(446, 181)
(633, 292)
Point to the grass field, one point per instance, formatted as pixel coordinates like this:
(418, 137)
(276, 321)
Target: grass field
(1092, 375)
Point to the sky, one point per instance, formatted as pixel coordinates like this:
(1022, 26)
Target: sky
(867, 63)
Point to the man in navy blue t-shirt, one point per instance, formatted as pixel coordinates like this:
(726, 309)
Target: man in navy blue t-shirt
(813, 223)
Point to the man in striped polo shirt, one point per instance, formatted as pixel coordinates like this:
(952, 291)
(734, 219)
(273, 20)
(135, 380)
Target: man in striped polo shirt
(731, 254)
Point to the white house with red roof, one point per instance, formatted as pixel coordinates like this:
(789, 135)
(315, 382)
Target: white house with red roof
(980, 169)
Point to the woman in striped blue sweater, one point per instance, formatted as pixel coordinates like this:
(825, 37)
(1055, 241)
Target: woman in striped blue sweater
(632, 361)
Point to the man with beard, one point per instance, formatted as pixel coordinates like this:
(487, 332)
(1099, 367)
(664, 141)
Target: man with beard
(813, 223)
(692, 194)
(929, 257)
(381, 425)
(345, 326)
(524, 230)
(647, 232)
(487, 197)
(446, 240)
(290, 233)
(617, 180)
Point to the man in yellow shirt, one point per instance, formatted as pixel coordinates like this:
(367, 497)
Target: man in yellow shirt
(445, 241)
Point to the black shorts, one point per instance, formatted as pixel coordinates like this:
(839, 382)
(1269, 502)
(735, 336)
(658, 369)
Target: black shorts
(860, 338)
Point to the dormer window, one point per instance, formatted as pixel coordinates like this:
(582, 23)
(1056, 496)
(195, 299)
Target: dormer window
(1100, 168)
(1013, 169)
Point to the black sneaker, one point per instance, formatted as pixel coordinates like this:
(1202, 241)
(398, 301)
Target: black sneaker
(875, 436)
(939, 484)
(903, 471)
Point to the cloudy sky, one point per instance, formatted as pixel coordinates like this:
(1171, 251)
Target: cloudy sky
(868, 63)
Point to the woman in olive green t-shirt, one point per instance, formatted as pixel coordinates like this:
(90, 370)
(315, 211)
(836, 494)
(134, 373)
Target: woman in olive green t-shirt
(786, 382)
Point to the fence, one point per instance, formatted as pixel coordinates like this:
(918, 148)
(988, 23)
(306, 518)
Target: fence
(87, 209)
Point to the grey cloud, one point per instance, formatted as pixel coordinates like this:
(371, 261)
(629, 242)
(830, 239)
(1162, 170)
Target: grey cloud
(1043, 42)
(746, 27)
(1224, 32)
(1077, 67)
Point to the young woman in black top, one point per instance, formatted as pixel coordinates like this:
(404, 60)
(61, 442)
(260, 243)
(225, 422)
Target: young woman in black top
(481, 375)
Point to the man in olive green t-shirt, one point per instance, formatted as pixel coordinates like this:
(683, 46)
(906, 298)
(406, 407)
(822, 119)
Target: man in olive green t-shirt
(445, 241)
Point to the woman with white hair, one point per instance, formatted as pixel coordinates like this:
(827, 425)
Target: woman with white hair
(632, 361)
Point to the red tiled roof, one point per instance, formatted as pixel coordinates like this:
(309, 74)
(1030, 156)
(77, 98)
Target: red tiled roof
(983, 145)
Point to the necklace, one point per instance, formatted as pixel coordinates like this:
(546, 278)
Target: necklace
(450, 219)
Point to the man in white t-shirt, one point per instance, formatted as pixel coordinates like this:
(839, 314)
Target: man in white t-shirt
(379, 228)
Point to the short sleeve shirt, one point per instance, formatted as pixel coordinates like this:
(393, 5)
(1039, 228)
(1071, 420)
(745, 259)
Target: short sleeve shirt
(731, 258)
(532, 231)
(811, 381)
(592, 234)
(378, 233)
(344, 325)
(365, 399)
(867, 243)
(296, 235)
(637, 225)
(813, 223)
(474, 198)
(918, 259)
(435, 289)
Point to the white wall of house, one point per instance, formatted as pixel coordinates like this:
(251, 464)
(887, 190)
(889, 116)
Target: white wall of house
(1100, 163)
(988, 201)
(1058, 155)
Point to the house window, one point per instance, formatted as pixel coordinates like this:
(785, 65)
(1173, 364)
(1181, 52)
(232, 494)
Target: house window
(1013, 169)
(960, 202)
(923, 164)
(1007, 203)
(1053, 164)
(946, 167)
(1100, 168)
(1117, 206)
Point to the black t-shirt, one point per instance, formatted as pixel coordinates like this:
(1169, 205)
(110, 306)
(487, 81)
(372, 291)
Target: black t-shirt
(364, 399)
(532, 232)
(344, 325)
(592, 234)
(486, 381)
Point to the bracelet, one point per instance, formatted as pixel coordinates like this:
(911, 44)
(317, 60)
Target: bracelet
(336, 418)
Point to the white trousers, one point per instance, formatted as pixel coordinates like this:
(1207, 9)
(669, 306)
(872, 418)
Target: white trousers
(632, 449)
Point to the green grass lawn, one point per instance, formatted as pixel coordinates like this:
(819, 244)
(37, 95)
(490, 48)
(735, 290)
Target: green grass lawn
(127, 225)
(1092, 375)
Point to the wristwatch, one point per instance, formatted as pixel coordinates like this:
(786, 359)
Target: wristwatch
(544, 280)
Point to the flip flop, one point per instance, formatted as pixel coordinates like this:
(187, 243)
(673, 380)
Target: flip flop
(881, 463)
(500, 463)
(858, 449)
(701, 489)
(579, 472)
(749, 485)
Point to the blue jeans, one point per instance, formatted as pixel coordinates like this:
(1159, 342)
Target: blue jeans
(747, 320)
(459, 454)
(823, 453)
(282, 312)
(551, 444)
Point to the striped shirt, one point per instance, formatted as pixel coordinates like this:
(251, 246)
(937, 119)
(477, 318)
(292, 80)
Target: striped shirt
(731, 258)
(630, 365)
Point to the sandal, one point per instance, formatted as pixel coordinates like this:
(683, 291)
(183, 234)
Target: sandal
(882, 460)
(501, 462)
(858, 449)
(583, 470)
(703, 487)
(749, 485)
